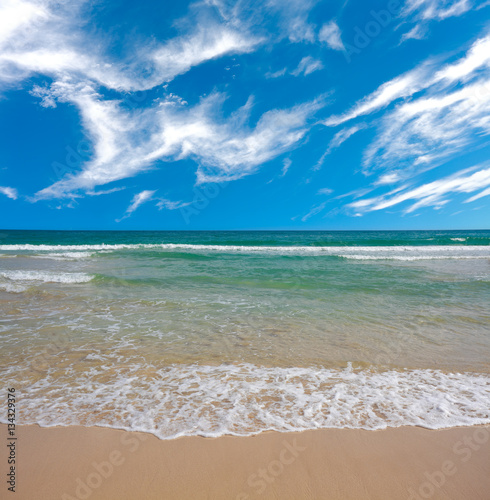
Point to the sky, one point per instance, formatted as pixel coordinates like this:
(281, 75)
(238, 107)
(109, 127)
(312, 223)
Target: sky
(272, 114)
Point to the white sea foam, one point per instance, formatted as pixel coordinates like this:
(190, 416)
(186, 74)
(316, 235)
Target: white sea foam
(46, 277)
(185, 400)
(406, 253)
(12, 288)
(65, 255)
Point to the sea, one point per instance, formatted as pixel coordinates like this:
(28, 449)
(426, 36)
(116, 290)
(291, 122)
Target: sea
(238, 332)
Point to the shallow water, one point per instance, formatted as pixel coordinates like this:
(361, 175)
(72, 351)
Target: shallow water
(213, 333)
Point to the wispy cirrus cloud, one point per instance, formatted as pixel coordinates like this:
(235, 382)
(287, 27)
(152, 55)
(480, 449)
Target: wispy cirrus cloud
(49, 38)
(338, 139)
(9, 192)
(229, 154)
(315, 210)
(481, 194)
(149, 195)
(286, 164)
(275, 19)
(424, 132)
(418, 32)
(433, 194)
(136, 202)
(209, 42)
(421, 78)
(423, 118)
(401, 86)
(307, 65)
(331, 35)
(128, 142)
(444, 109)
(422, 12)
(163, 203)
(437, 9)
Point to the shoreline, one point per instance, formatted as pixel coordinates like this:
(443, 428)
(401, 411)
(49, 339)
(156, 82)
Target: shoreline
(99, 463)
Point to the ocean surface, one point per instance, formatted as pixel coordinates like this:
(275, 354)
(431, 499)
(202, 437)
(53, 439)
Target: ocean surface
(212, 333)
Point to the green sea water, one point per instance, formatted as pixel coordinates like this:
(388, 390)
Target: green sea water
(182, 333)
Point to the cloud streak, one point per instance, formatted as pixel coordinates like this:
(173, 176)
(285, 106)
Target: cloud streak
(422, 12)
(314, 211)
(307, 65)
(136, 202)
(338, 139)
(433, 194)
(9, 192)
(331, 35)
(437, 9)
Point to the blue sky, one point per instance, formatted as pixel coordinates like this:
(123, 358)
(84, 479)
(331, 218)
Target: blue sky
(299, 114)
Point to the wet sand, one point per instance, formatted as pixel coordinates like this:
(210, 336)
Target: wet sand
(410, 463)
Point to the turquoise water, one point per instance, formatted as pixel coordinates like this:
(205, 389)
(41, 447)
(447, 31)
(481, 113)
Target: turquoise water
(183, 333)
(249, 238)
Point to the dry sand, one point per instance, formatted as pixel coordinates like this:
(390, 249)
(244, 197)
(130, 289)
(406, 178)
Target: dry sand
(105, 464)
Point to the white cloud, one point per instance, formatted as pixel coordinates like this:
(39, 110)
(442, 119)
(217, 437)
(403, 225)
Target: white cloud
(293, 18)
(105, 191)
(54, 42)
(15, 14)
(485, 192)
(127, 143)
(330, 34)
(422, 12)
(326, 191)
(338, 139)
(227, 153)
(171, 205)
(418, 32)
(9, 192)
(430, 194)
(344, 134)
(181, 54)
(420, 78)
(307, 65)
(429, 129)
(478, 57)
(437, 9)
(276, 74)
(402, 86)
(137, 201)
(280, 19)
(49, 38)
(389, 178)
(437, 111)
(114, 133)
(285, 166)
(314, 211)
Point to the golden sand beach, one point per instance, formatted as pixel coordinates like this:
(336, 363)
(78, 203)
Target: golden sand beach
(409, 463)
